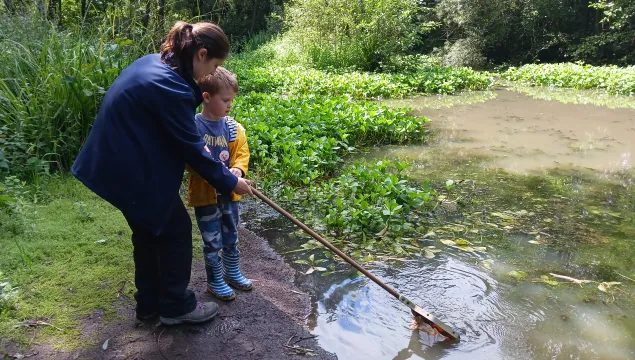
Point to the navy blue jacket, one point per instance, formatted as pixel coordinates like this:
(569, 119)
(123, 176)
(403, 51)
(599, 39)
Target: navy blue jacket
(144, 134)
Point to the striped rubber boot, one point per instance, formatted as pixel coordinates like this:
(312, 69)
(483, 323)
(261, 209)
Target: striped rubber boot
(215, 283)
(231, 272)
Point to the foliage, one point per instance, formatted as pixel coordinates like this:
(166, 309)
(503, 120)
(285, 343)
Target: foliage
(506, 31)
(613, 79)
(7, 293)
(368, 199)
(359, 34)
(294, 80)
(300, 139)
(50, 91)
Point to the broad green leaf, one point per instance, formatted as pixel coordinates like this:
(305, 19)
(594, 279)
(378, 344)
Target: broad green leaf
(517, 274)
(462, 242)
(310, 271)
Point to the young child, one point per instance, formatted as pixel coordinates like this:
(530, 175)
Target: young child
(217, 215)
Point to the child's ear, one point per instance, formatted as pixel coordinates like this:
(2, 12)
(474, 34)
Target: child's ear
(206, 97)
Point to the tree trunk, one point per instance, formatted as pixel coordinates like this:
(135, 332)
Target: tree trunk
(162, 14)
(146, 16)
(254, 13)
(9, 5)
(50, 11)
(41, 7)
(59, 13)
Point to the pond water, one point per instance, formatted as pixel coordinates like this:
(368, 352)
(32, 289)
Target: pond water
(548, 164)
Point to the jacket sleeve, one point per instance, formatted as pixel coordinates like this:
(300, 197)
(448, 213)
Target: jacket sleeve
(175, 106)
(240, 153)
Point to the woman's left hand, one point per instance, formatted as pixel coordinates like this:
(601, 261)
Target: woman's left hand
(236, 172)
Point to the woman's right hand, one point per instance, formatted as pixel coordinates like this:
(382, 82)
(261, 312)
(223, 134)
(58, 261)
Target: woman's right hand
(243, 187)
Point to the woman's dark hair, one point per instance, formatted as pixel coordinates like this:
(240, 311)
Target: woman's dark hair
(184, 40)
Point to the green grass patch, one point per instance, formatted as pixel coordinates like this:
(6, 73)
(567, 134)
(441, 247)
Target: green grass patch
(613, 79)
(73, 256)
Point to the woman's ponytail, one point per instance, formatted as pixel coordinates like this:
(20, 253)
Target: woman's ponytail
(185, 39)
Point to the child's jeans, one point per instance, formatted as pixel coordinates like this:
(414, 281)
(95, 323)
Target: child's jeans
(218, 224)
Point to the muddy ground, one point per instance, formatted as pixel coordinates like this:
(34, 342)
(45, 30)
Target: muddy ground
(257, 325)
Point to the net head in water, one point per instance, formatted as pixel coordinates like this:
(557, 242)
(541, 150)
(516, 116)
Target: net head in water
(427, 333)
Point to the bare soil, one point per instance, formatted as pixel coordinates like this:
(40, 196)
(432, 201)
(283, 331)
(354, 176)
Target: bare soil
(265, 323)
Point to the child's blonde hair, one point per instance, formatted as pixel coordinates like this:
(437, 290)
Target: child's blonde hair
(220, 80)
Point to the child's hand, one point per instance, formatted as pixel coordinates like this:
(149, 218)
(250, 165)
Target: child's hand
(236, 172)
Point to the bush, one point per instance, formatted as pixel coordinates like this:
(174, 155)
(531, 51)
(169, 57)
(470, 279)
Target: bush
(358, 34)
(464, 52)
(51, 86)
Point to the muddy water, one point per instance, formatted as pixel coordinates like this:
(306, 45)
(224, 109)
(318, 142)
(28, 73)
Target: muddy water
(588, 219)
(526, 133)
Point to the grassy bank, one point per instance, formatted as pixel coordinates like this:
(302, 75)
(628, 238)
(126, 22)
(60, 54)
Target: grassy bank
(70, 257)
(613, 79)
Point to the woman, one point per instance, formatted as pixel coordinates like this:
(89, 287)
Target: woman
(135, 155)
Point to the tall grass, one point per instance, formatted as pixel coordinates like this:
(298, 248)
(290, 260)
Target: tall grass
(51, 86)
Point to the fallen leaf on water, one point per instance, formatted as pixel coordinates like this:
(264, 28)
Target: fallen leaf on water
(605, 286)
(429, 254)
(480, 248)
(466, 248)
(488, 263)
(105, 346)
(429, 234)
(536, 242)
(448, 242)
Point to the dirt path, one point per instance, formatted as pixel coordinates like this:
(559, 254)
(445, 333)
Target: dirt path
(257, 325)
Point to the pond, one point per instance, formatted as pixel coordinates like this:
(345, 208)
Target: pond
(548, 181)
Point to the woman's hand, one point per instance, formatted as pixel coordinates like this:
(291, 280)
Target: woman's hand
(243, 187)
(237, 172)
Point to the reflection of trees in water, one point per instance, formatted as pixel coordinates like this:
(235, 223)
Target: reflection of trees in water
(573, 96)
